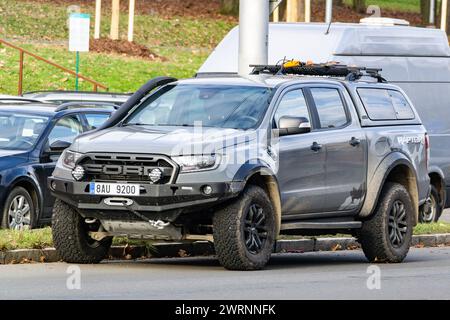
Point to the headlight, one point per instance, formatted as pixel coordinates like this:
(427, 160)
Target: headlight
(198, 163)
(70, 158)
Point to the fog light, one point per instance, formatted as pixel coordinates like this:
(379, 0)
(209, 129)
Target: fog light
(207, 190)
(155, 175)
(78, 173)
(53, 185)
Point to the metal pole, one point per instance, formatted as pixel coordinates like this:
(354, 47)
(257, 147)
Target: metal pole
(20, 91)
(131, 21)
(253, 34)
(98, 17)
(77, 71)
(329, 11)
(444, 15)
(307, 11)
(432, 11)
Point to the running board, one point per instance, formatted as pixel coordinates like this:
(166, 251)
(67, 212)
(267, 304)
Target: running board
(321, 225)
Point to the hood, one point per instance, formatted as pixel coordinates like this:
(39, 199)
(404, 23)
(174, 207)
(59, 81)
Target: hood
(169, 141)
(12, 158)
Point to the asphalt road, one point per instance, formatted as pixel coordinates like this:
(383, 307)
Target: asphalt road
(327, 275)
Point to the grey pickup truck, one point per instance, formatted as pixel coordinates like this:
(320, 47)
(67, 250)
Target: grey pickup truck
(291, 149)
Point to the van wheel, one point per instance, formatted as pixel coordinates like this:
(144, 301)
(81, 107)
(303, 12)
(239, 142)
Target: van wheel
(244, 231)
(19, 211)
(433, 211)
(387, 235)
(71, 236)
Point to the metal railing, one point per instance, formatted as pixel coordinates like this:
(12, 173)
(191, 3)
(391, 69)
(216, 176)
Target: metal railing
(22, 52)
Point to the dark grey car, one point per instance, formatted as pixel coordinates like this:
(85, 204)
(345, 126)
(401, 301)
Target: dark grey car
(273, 155)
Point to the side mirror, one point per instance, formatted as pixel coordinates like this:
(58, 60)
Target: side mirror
(293, 125)
(58, 147)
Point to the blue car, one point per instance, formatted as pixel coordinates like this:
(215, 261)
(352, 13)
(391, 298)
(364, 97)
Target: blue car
(32, 137)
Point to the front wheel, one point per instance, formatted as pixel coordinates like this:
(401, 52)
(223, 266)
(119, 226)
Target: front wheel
(387, 235)
(244, 231)
(19, 211)
(71, 236)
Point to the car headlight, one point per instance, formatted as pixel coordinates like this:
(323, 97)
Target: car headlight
(198, 163)
(70, 158)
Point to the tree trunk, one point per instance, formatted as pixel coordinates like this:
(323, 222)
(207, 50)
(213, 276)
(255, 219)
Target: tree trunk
(359, 6)
(425, 11)
(230, 7)
(295, 11)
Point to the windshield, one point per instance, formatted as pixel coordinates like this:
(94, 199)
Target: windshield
(20, 131)
(238, 107)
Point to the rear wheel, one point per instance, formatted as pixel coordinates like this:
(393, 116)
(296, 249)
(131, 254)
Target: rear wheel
(19, 211)
(387, 235)
(71, 236)
(244, 231)
(433, 210)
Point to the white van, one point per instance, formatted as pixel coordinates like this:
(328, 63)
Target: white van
(416, 59)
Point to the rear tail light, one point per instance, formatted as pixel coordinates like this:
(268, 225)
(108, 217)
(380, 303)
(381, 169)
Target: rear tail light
(427, 148)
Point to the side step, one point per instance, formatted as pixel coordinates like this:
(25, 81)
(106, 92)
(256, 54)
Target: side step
(321, 225)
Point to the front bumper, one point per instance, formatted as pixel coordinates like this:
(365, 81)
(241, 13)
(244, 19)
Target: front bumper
(153, 198)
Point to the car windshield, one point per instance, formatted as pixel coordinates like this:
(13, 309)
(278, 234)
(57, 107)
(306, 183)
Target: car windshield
(20, 131)
(238, 107)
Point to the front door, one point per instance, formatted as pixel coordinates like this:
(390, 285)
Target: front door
(65, 129)
(301, 171)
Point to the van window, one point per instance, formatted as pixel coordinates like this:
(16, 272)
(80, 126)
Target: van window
(382, 104)
(330, 108)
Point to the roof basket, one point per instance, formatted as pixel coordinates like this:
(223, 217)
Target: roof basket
(331, 69)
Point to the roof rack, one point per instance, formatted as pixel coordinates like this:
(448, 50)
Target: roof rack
(80, 92)
(87, 104)
(19, 99)
(331, 69)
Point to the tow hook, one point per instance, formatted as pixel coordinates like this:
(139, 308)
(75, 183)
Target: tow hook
(157, 224)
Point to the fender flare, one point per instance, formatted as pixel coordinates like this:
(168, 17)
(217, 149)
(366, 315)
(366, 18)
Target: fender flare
(249, 170)
(438, 171)
(378, 180)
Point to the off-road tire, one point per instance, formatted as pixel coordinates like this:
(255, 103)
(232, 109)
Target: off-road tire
(229, 235)
(19, 191)
(71, 239)
(374, 234)
(438, 207)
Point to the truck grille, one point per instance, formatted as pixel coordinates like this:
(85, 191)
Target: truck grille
(125, 167)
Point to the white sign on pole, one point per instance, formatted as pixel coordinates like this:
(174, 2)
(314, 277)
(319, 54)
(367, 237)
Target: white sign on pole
(79, 27)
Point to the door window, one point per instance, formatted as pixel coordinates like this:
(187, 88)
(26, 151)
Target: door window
(66, 129)
(95, 120)
(292, 104)
(330, 109)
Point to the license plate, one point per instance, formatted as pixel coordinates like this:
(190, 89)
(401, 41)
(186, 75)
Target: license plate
(114, 189)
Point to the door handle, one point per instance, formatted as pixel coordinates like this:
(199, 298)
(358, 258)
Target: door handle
(316, 147)
(355, 142)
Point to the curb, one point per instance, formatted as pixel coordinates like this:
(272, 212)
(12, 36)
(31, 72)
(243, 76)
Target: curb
(204, 248)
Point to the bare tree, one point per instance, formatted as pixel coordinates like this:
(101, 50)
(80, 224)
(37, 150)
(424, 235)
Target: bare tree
(229, 7)
(359, 5)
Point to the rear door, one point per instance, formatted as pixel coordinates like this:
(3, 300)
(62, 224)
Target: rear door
(345, 149)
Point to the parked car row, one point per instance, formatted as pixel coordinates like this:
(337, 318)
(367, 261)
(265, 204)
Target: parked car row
(33, 133)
